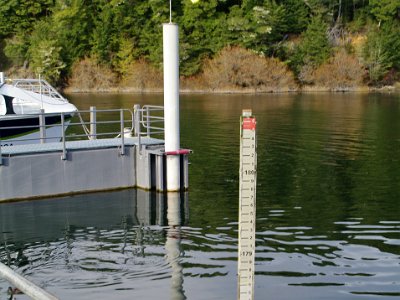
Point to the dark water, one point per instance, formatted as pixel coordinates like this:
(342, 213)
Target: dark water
(328, 209)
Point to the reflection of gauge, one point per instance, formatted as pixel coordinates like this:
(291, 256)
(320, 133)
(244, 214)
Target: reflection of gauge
(247, 205)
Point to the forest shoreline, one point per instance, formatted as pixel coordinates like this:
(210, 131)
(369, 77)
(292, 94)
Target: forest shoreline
(304, 90)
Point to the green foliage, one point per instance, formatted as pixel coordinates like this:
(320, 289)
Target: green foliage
(297, 15)
(314, 48)
(385, 10)
(382, 50)
(44, 53)
(125, 57)
(263, 25)
(47, 61)
(72, 25)
(21, 15)
(16, 49)
(103, 40)
(56, 34)
(147, 28)
(203, 33)
(251, 29)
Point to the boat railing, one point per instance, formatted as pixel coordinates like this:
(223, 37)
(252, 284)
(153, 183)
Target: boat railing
(93, 124)
(38, 86)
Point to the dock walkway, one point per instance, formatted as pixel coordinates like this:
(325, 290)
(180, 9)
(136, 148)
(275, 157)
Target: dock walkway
(79, 145)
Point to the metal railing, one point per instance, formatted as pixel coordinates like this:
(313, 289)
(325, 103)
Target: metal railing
(39, 86)
(149, 120)
(92, 124)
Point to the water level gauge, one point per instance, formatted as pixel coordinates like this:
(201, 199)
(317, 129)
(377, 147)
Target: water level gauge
(247, 205)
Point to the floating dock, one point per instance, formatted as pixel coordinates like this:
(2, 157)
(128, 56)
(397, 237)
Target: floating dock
(95, 164)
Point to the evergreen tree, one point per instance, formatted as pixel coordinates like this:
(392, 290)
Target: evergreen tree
(20, 15)
(104, 38)
(314, 48)
(44, 52)
(297, 15)
(385, 10)
(203, 33)
(72, 25)
(258, 27)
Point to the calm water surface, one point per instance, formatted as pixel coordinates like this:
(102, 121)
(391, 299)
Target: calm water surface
(328, 209)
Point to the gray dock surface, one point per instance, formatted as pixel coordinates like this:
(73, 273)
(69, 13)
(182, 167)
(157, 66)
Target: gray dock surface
(78, 145)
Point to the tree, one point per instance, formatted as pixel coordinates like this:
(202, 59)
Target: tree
(297, 15)
(314, 48)
(72, 25)
(104, 37)
(385, 10)
(382, 50)
(252, 28)
(203, 33)
(16, 48)
(21, 15)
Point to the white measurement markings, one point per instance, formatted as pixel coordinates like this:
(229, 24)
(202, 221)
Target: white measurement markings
(247, 206)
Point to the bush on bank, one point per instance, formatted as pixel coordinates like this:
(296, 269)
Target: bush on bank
(89, 76)
(234, 69)
(342, 72)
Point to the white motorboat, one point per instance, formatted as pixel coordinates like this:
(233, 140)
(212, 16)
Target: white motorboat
(23, 102)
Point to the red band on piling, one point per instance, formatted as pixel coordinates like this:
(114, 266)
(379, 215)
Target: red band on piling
(249, 123)
(178, 152)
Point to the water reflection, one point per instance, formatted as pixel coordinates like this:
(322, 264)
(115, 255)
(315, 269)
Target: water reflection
(173, 245)
(328, 210)
(108, 241)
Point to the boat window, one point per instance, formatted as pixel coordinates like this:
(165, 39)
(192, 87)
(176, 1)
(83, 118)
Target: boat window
(25, 107)
(3, 108)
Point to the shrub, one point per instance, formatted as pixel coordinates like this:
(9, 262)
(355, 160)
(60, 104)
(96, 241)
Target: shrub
(340, 73)
(140, 75)
(88, 75)
(238, 68)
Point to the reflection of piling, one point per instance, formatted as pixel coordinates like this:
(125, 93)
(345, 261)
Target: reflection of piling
(171, 103)
(173, 246)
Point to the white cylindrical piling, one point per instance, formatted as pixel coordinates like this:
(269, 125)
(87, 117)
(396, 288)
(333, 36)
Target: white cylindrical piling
(171, 103)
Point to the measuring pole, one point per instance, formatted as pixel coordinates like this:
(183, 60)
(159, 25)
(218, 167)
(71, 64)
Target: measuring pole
(247, 205)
